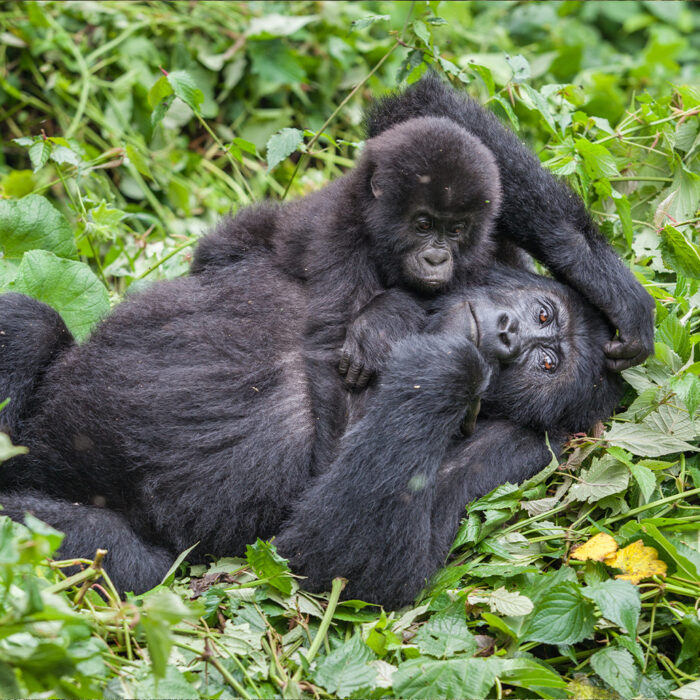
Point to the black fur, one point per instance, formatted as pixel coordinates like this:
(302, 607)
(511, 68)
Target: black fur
(357, 237)
(538, 213)
(188, 414)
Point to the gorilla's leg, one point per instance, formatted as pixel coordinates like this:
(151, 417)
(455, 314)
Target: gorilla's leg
(132, 564)
(368, 518)
(32, 335)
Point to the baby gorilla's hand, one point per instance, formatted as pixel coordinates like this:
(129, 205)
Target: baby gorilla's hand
(389, 317)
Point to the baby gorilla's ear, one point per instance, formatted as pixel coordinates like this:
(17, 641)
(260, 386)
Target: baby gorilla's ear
(376, 185)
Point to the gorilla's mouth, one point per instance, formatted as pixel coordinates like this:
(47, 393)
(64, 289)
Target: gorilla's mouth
(474, 332)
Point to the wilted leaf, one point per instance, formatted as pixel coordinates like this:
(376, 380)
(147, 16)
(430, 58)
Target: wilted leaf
(597, 548)
(636, 561)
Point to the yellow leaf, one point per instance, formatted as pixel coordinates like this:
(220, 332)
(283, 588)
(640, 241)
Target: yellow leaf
(597, 548)
(637, 562)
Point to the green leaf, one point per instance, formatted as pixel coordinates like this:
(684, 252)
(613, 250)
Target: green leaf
(450, 678)
(422, 32)
(446, 633)
(281, 145)
(616, 667)
(185, 88)
(274, 24)
(346, 669)
(618, 601)
(641, 440)
(33, 222)
(645, 479)
(267, 564)
(39, 154)
(598, 162)
(561, 617)
(509, 603)
(605, 477)
(689, 691)
(159, 91)
(520, 67)
(686, 559)
(70, 287)
(7, 449)
(528, 673)
(367, 21)
(679, 253)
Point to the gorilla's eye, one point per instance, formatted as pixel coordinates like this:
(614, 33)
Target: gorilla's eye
(458, 229)
(543, 315)
(549, 361)
(423, 223)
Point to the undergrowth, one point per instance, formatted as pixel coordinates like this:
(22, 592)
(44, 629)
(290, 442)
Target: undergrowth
(128, 129)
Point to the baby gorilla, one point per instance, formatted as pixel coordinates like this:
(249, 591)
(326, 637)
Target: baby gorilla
(412, 219)
(188, 414)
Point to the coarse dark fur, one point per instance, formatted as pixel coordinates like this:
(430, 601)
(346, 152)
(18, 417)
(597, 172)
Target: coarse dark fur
(188, 415)
(414, 217)
(538, 213)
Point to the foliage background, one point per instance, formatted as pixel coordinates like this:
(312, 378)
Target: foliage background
(129, 128)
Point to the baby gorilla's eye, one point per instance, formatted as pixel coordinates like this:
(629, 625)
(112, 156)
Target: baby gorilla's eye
(543, 315)
(458, 229)
(423, 223)
(549, 362)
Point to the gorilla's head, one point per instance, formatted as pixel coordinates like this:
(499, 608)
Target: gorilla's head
(432, 194)
(545, 344)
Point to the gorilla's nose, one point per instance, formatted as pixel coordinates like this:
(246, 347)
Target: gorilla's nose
(508, 345)
(436, 257)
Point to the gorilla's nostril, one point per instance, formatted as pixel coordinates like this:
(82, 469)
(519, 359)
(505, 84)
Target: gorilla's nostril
(436, 257)
(505, 339)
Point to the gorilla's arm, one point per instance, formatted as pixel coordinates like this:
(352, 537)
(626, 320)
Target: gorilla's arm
(132, 563)
(368, 518)
(540, 214)
(390, 316)
(32, 335)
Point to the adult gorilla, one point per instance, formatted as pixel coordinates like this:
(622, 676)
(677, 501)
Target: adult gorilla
(188, 415)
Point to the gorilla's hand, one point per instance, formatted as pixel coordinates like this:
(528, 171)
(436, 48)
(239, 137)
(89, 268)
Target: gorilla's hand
(635, 339)
(389, 317)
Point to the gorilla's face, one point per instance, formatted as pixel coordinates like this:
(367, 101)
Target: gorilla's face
(545, 345)
(435, 192)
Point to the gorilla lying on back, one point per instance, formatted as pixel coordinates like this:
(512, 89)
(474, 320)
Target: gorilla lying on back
(188, 415)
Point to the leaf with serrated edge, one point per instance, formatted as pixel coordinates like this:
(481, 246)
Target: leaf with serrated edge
(618, 601)
(616, 667)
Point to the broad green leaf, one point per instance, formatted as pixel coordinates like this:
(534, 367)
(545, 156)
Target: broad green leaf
(68, 286)
(616, 667)
(679, 253)
(605, 477)
(686, 559)
(645, 479)
(618, 601)
(171, 685)
(445, 634)
(528, 673)
(520, 67)
(597, 160)
(505, 602)
(346, 670)
(561, 617)
(7, 449)
(39, 154)
(448, 678)
(33, 222)
(281, 145)
(643, 441)
(159, 91)
(267, 564)
(689, 691)
(367, 21)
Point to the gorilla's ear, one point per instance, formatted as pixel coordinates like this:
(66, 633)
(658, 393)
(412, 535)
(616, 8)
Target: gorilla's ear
(376, 186)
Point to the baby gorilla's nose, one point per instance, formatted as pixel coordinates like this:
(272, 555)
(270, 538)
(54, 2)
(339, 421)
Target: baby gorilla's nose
(436, 256)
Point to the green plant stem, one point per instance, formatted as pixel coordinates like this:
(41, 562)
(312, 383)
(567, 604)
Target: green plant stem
(174, 251)
(654, 504)
(336, 589)
(639, 178)
(304, 156)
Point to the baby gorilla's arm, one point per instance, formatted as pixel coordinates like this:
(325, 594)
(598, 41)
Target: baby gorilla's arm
(390, 316)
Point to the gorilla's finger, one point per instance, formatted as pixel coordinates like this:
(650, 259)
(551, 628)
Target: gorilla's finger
(364, 378)
(344, 363)
(618, 349)
(353, 374)
(469, 421)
